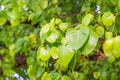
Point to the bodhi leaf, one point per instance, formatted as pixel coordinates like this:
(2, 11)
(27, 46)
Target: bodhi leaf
(116, 46)
(43, 54)
(108, 19)
(65, 78)
(86, 20)
(107, 47)
(53, 37)
(77, 38)
(108, 35)
(91, 43)
(43, 4)
(100, 31)
(2, 20)
(65, 55)
(45, 29)
(32, 72)
(11, 50)
(63, 26)
(54, 52)
(111, 47)
(46, 76)
(54, 75)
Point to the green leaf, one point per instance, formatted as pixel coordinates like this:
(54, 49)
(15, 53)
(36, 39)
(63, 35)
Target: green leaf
(81, 76)
(2, 20)
(11, 50)
(64, 41)
(116, 46)
(36, 5)
(65, 78)
(54, 52)
(45, 29)
(86, 20)
(77, 38)
(108, 19)
(30, 60)
(72, 62)
(40, 72)
(103, 76)
(32, 72)
(63, 26)
(46, 76)
(114, 76)
(108, 35)
(54, 75)
(8, 72)
(43, 54)
(100, 31)
(114, 2)
(107, 47)
(96, 75)
(91, 43)
(111, 59)
(65, 55)
(44, 4)
(53, 37)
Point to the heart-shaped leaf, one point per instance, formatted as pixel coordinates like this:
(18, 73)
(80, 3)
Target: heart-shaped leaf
(90, 44)
(77, 38)
(43, 54)
(86, 20)
(65, 55)
(116, 46)
(54, 52)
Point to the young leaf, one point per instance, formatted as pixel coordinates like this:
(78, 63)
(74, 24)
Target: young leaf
(91, 43)
(63, 26)
(2, 20)
(116, 46)
(108, 19)
(32, 72)
(43, 54)
(77, 38)
(53, 37)
(86, 20)
(46, 76)
(107, 47)
(100, 31)
(54, 52)
(65, 55)
(45, 29)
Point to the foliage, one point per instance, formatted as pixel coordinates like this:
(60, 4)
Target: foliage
(55, 39)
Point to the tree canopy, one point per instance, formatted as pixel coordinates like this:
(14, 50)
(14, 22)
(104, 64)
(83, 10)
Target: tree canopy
(59, 39)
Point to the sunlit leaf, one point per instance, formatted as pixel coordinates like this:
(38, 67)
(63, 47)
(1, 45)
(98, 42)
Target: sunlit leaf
(63, 26)
(46, 76)
(86, 20)
(91, 43)
(116, 45)
(54, 52)
(65, 55)
(53, 37)
(77, 38)
(43, 54)
(108, 19)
